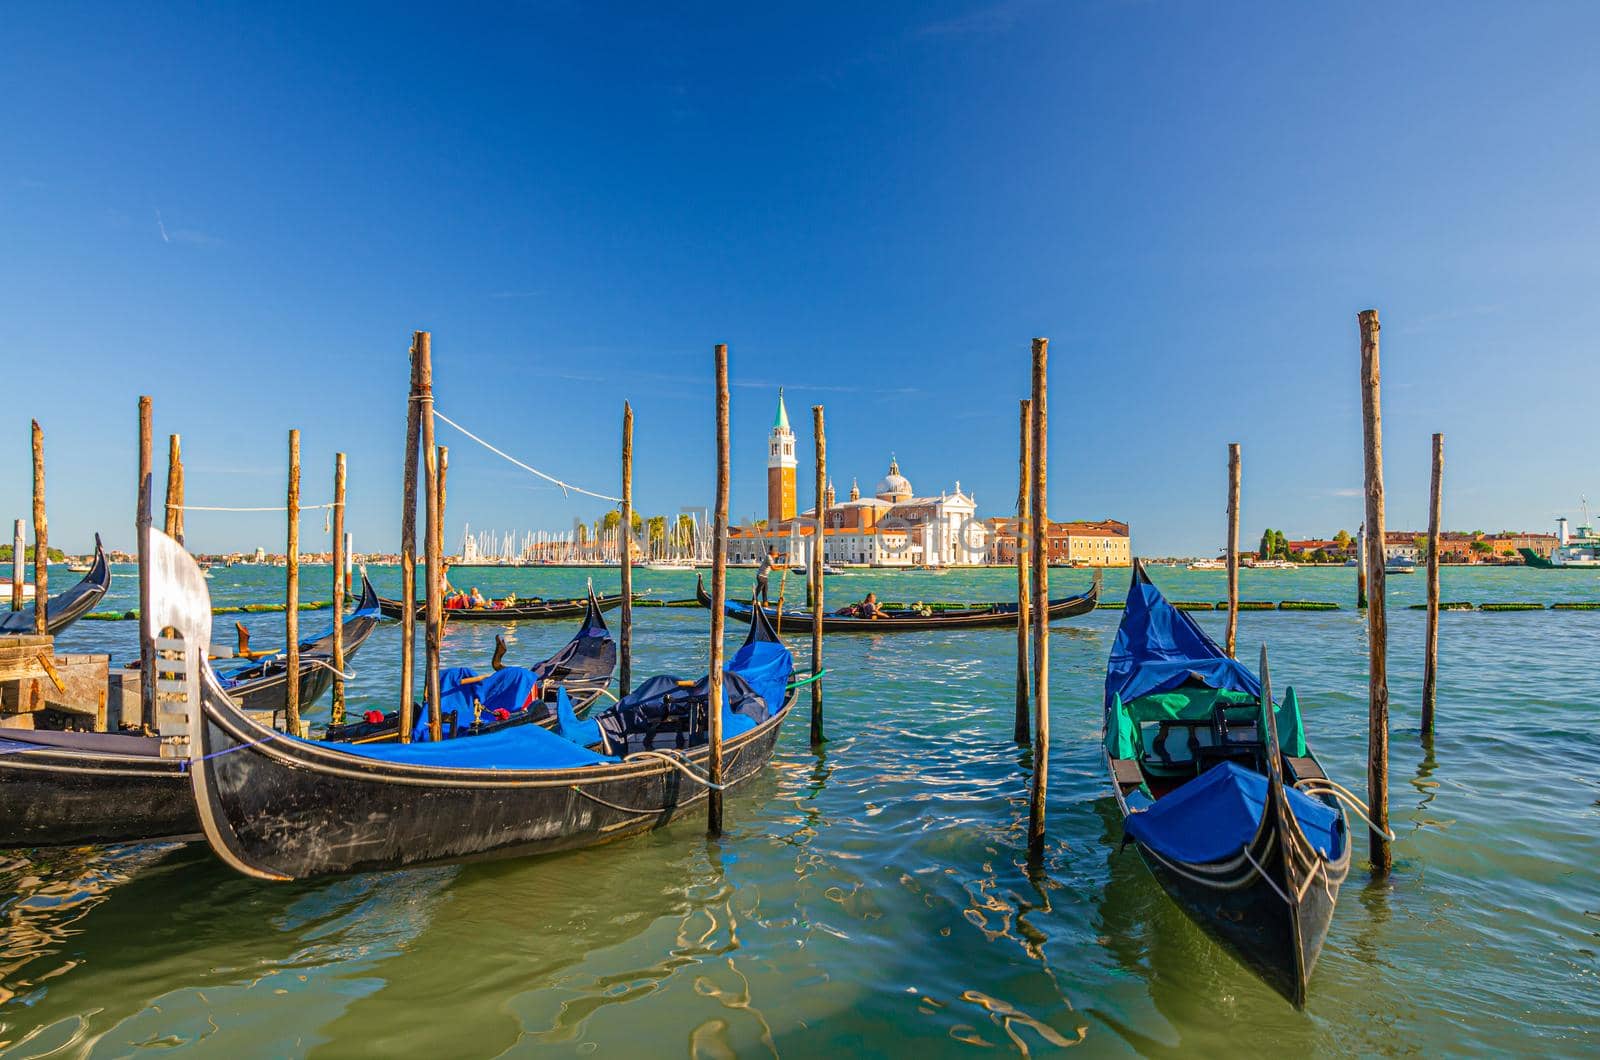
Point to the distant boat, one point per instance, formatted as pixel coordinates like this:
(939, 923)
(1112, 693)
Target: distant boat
(665, 565)
(1579, 552)
(1208, 564)
(1274, 564)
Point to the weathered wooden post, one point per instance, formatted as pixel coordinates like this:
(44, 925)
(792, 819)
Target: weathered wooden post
(819, 555)
(625, 558)
(719, 596)
(349, 559)
(338, 587)
(408, 542)
(433, 606)
(142, 522)
(19, 559)
(291, 594)
(1361, 568)
(444, 475)
(1430, 662)
(1024, 724)
(1040, 510)
(41, 540)
(1377, 623)
(173, 524)
(1232, 634)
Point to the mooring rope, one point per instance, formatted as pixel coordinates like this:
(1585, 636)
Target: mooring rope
(565, 486)
(1324, 786)
(279, 508)
(676, 761)
(228, 750)
(1245, 850)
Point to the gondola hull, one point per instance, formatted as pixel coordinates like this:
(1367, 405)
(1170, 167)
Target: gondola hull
(65, 789)
(66, 608)
(988, 616)
(279, 809)
(532, 612)
(1250, 913)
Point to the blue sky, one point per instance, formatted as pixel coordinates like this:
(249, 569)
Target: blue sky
(245, 211)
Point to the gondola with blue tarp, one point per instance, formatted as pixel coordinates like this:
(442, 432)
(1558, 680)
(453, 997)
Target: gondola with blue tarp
(65, 608)
(1220, 793)
(278, 807)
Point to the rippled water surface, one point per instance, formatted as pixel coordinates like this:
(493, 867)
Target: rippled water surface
(874, 899)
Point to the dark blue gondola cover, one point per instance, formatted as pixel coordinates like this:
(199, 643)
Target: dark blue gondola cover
(1213, 816)
(1159, 648)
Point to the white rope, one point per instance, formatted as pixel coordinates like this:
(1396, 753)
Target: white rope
(677, 763)
(565, 486)
(1322, 785)
(279, 508)
(1245, 850)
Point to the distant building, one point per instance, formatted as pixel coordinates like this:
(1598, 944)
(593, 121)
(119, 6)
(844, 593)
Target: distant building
(892, 528)
(1102, 543)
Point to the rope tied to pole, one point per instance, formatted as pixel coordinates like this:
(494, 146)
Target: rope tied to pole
(567, 488)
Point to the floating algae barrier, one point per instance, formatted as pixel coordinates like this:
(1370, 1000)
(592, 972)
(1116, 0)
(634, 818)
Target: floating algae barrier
(1576, 605)
(254, 609)
(1511, 607)
(1308, 605)
(1453, 605)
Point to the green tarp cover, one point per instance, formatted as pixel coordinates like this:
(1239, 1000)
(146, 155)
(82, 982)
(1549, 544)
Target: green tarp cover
(1196, 704)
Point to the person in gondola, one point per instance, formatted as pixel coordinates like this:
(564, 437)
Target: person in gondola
(768, 561)
(475, 598)
(867, 608)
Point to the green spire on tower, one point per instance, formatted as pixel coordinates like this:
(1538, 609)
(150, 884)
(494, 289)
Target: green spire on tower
(782, 422)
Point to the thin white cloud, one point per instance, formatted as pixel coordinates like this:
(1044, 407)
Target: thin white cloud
(162, 226)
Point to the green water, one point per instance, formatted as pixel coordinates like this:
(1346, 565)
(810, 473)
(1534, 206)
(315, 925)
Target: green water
(874, 899)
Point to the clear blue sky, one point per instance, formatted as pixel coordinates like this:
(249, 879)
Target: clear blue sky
(245, 212)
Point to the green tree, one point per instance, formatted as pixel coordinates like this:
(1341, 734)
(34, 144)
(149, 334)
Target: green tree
(1343, 540)
(1264, 551)
(657, 531)
(55, 554)
(611, 520)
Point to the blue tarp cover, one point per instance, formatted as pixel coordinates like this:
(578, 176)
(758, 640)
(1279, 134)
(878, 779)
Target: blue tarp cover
(767, 666)
(1213, 816)
(582, 733)
(519, 747)
(1158, 648)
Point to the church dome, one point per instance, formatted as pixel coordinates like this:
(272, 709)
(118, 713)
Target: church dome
(894, 487)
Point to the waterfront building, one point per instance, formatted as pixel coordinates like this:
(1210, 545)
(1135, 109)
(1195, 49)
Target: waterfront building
(894, 527)
(1083, 543)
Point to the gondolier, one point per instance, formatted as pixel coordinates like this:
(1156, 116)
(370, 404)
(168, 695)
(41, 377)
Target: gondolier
(768, 561)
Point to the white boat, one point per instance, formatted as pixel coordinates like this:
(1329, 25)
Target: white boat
(1274, 564)
(668, 565)
(1580, 550)
(1208, 564)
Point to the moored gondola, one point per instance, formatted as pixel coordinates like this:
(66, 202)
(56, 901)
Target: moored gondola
(908, 619)
(1220, 793)
(472, 704)
(520, 611)
(66, 608)
(262, 685)
(277, 807)
(61, 788)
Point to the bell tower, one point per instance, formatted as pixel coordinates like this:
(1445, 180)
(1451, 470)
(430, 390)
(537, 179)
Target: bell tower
(781, 466)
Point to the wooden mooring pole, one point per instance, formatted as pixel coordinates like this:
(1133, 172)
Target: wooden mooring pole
(338, 588)
(1377, 625)
(819, 558)
(173, 524)
(19, 559)
(1430, 660)
(719, 596)
(625, 557)
(1024, 725)
(41, 539)
(408, 543)
(1231, 637)
(142, 524)
(432, 534)
(1040, 510)
(291, 594)
(1361, 568)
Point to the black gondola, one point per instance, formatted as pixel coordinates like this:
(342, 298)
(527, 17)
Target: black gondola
(583, 667)
(906, 619)
(66, 608)
(263, 685)
(1227, 805)
(523, 611)
(279, 808)
(86, 787)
